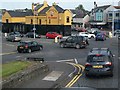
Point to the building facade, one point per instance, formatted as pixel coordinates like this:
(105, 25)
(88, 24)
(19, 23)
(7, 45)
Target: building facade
(42, 17)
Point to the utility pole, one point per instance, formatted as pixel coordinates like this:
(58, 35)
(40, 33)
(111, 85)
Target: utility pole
(113, 18)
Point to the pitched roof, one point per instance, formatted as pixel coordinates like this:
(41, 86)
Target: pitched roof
(58, 8)
(20, 14)
(44, 10)
(38, 7)
(117, 7)
(100, 7)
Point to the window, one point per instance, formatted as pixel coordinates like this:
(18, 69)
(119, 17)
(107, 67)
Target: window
(49, 21)
(117, 14)
(31, 21)
(40, 21)
(68, 19)
(7, 20)
(110, 14)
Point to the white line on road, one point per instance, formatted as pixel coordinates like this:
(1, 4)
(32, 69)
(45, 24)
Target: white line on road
(65, 60)
(10, 45)
(53, 76)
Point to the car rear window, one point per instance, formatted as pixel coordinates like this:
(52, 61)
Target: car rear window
(96, 58)
(24, 43)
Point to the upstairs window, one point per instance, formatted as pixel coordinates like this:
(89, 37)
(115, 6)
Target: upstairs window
(110, 14)
(31, 21)
(40, 21)
(68, 19)
(7, 20)
(117, 14)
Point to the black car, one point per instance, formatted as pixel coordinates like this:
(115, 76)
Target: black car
(29, 46)
(74, 41)
(99, 62)
(117, 32)
(31, 35)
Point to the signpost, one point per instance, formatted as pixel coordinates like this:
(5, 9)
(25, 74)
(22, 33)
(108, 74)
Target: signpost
(34, 29)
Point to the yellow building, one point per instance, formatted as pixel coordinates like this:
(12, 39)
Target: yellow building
(44, 17)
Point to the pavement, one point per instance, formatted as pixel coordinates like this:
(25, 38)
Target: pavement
(58, 74)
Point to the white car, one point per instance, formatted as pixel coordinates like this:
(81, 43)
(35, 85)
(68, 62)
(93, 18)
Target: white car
(86, 34)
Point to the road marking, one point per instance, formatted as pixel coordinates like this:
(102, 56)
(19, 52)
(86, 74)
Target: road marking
(53, 76)
(10, 45)
(76, 77)
(7, 53)
(65, 60)
(18, 56)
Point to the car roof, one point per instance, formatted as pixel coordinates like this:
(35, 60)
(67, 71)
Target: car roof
(101, 51)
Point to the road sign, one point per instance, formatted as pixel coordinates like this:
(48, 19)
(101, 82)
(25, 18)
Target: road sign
(34, 29)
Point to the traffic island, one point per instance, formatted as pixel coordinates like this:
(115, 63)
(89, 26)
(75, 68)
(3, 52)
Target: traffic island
(29, 70)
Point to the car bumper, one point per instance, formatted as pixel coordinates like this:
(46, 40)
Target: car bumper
(22, 50)
(98, 72)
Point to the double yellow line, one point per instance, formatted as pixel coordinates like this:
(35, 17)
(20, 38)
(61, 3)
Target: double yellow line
(77, 76)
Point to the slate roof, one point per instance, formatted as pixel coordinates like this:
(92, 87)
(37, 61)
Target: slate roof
(20, 14)
(38, 7)
(100, 7)
(44, 10)
(117, 7)
(59, 9)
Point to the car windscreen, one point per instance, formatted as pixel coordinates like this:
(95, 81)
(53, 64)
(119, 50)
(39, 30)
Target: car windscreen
(97, 58)
(23, 43)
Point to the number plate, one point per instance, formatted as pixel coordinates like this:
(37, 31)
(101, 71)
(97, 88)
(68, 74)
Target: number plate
(21, 47)
(98, 66)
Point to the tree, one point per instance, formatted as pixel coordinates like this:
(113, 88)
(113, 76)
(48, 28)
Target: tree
(80, 7)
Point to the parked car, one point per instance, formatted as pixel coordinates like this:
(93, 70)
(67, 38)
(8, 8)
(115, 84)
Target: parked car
(31, 35)
(74, 41)
(99, 62)
(92, 30)
(16, 33)
(29, 46)
(100, 36)
(86, 34)
(117, 32)
(52, 35)
(13, 38)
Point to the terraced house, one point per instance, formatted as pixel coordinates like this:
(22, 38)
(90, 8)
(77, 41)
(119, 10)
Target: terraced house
(42, 17)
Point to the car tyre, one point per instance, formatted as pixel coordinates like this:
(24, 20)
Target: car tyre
(62, 45)
(77, 46)
(29, 50)
(41, 48)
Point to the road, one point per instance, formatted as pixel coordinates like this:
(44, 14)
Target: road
(52, 53)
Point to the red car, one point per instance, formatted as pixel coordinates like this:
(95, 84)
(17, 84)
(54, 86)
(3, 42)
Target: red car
(52, 35)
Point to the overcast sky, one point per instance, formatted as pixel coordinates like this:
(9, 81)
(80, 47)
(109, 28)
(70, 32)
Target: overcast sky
(65, 4)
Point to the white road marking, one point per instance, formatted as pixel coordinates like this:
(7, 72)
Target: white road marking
(7, 53)
(18, 56)
(10, 45)
(65, 60)
(53, 76)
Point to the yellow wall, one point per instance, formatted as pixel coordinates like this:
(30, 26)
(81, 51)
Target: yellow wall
(36, 20)
(6, 16)
(18, 20)
(67, 13)
(53, 19)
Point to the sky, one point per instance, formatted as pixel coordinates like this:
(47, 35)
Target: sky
(65, 4)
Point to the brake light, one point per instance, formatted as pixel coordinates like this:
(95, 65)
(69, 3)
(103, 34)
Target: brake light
(109, 63)
(26, 46)
(87, 64)
(97, 54)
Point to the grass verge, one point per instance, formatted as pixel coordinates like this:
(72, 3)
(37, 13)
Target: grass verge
(13, 67)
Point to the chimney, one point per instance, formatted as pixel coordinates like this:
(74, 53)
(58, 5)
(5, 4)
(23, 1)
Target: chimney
(95, 4)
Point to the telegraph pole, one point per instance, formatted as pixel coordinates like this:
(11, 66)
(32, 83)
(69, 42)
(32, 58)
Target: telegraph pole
(113, 18)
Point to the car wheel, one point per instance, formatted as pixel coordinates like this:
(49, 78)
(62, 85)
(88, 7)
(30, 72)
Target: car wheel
(92, 36)
(19, 51)
(77, 46)
(62, 45)
(29, 50)
(47, 37)
(41, 48)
